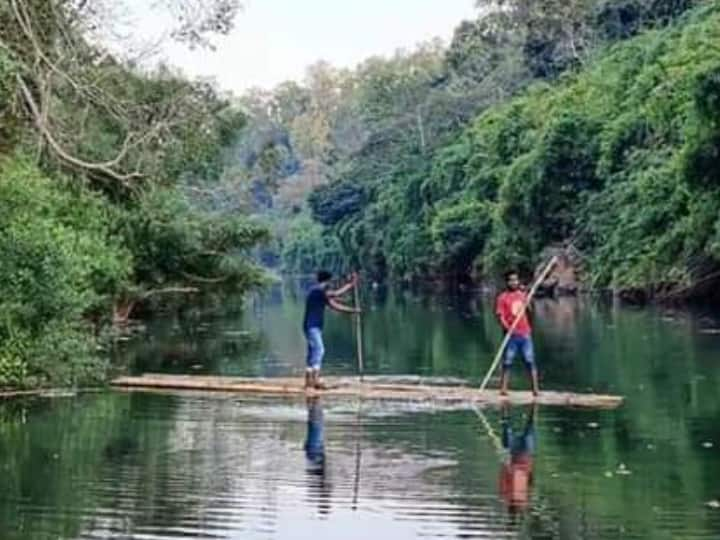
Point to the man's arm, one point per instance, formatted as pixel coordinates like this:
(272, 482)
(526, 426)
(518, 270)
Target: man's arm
(344, 289)
(342, 308)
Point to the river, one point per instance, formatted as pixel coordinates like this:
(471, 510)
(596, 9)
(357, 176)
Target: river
(152, 466)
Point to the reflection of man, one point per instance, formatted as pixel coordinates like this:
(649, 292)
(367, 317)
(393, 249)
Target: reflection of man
(315, 454)
(315, 443)
(516, 474)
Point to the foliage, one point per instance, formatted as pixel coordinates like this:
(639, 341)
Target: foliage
(60, 262)
(605, 163)
(331, 204)
(388, 146)
(7, 120)
(560, 34)
(174, 242)
(458, 232)
(619, 158)
(101, 167)
(309, 247)
(95, 114)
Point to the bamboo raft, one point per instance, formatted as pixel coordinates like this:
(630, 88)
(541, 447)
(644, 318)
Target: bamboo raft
(372, 388)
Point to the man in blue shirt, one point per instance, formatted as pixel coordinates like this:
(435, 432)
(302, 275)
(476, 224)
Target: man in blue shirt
(317, 298)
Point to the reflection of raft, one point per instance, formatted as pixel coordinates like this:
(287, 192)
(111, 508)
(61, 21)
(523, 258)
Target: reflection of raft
(373, 388)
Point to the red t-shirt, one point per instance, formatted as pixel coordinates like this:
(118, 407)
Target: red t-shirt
(508, 305)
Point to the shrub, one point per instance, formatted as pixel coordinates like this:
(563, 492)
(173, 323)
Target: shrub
(59, 263)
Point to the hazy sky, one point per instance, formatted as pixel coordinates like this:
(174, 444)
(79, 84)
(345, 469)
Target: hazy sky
(275, 40)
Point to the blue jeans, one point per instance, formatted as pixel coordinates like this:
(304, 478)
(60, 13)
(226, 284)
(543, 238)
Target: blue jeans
(522, 345)
(315, 349)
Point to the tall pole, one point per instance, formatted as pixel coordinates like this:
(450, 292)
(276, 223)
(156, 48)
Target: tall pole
(358, 327)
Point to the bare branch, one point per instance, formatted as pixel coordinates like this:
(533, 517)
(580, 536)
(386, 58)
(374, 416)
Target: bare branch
(103, 168)
(24, 19)
(169, 290)
(200, 279)
(199, 17)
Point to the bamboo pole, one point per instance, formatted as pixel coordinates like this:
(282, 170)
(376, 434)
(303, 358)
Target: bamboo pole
(490, 431)
(358, 327)
(519, 316)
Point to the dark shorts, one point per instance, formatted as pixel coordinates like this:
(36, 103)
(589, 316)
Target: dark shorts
(520, 345)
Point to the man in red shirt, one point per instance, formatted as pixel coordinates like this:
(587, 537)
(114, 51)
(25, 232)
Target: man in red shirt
(509, 305)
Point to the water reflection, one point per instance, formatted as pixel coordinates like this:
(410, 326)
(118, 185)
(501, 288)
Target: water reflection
(428, 473)
(516, 472)
(318, 483)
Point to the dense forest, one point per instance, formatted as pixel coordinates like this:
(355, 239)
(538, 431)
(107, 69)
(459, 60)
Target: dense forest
(102, 168)
(583, 124)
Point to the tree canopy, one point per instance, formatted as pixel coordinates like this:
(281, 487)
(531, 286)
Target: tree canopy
(541, 123)
(106, 172)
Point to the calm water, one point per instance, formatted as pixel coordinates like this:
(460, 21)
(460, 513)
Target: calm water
(142, 466)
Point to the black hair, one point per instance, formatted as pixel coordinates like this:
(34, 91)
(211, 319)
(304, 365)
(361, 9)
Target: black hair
(323, 276)
(511, 273)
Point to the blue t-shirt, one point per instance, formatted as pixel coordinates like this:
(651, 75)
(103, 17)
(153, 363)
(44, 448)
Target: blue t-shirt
(315, 307)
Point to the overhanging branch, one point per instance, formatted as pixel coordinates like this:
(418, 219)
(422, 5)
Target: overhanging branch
(103, 168)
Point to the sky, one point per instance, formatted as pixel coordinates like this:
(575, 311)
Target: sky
(275, 40)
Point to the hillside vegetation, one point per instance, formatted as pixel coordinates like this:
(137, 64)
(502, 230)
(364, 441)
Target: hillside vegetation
(585, 124)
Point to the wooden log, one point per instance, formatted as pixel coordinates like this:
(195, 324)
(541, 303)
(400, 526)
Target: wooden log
(371, 389)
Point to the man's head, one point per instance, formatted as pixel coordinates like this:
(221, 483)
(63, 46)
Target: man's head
(324, 277)
(512, 280)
